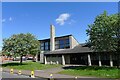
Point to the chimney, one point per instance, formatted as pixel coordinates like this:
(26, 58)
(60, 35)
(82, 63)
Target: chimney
(52, 38)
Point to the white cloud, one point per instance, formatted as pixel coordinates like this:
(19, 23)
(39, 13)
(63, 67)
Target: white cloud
(10, 18)
(62, 18)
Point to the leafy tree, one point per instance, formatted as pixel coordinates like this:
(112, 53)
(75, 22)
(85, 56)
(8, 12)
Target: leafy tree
(104, 33)
(21, 44)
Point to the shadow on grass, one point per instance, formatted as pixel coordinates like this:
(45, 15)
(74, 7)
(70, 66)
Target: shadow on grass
(89, 68)
(13, 64)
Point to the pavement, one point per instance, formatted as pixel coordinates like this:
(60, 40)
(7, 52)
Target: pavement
(45, 73)
(8, 75)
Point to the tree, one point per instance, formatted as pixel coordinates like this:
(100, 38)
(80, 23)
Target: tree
(104, 33)
(21, 44)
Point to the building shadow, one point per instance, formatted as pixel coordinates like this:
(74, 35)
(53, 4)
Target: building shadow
(89, 67)
(13, 64)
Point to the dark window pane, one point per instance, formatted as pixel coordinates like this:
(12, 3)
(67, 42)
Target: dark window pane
(42, 48)
(67, 45)
(61, 46)
(67, 41)
(42, 44)
(46, 47)
(61, 42)
(57, 42)
(46, 43)
(57, 47)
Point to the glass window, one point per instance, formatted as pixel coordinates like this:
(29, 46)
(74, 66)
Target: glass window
(42, 44)
(67, 41)
(57, 42)
(67, 45)
(46, 43)
(42, 48)
(61, 46)
(57, 47)
(61, 42)
(46, 47)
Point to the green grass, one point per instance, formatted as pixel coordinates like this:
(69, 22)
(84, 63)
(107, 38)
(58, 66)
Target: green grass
(102, 72)
(29, 66)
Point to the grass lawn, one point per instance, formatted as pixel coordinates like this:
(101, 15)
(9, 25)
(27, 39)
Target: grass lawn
(102, 72)
(29, 66)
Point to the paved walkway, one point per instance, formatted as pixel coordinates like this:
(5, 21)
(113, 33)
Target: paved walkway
(45, 73)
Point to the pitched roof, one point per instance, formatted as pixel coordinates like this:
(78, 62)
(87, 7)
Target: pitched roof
(77, 49)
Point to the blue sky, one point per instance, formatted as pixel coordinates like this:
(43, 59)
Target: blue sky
(68, 18)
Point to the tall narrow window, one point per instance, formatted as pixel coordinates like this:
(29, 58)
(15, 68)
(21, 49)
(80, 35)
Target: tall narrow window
(42, 46)
(46, 46)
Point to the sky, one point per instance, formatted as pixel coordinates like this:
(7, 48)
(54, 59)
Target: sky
(67, 17)
(60, 0)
